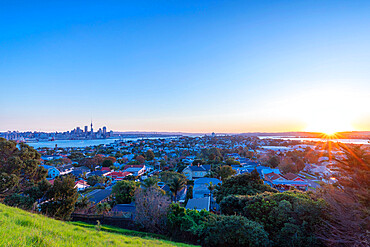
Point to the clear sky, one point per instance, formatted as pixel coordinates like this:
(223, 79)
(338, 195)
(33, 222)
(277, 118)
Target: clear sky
(192, 66)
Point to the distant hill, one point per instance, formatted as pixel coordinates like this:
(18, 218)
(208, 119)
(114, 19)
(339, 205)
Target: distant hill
(21, 228)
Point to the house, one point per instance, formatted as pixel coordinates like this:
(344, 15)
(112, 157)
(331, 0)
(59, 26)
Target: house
(99, 195)
(81, 185)
(293, 177)
(272, 176)
(199, 203)
(240, 170)
(118, 176)
(105, 169)
(201, 185)
(136, 170)
(97, 173)
(281, 183)
(52, 171)
(126, 210)
(194, 172)
(65, 169)
(265, 171)
(50, 157)
(79, 172)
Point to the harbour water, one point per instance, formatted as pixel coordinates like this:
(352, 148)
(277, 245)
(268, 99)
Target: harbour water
(96, 142)
(84, 143)
(346, 141)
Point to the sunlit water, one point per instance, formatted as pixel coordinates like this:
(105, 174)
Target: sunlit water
(347, 141)
(87, 143)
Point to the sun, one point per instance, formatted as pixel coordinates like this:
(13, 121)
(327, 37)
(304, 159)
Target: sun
(329, 126)
(327, 110)
(329, 132)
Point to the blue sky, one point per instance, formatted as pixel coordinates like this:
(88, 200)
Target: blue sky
(193, 66)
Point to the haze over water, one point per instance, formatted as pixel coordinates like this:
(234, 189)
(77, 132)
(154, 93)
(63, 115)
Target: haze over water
(191, 66)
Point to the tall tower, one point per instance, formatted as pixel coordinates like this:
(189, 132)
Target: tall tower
(92, 131)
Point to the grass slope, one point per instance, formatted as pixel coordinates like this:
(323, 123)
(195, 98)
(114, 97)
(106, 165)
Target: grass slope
(21, 228)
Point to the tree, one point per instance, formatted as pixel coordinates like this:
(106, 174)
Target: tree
(140, 158)
(111, 158)
(207, 229)
(107, 163)
(61, 198)
(212, 156)
(290, 218)
(95, 179)
(244, 184)
(102, 208)
(151, 209)
(29, 198)
(346, 221)
(347, 216)
(92, 163)
(83, 203)
(124, 191)
(221, 172)
(149, 155)
(231, 161)
(19, 167)
(76, 156)
(187, 225)
(150, 182)
(287, 165)
(354, 172)
(273, 161)
(168, 176)
(162, 164)
(211, 188)
(235, 231)
(197, 162)
(189, 194)
(226, 172)
(176, 185)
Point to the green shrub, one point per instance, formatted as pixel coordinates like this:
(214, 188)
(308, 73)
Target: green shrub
(290, 218)
(234, 231)
(245, 184)
(208, 229)
(187, 225)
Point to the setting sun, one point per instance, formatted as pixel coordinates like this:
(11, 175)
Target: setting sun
(329, 126)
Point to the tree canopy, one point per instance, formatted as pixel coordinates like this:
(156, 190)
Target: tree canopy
(124, 191)
(61, 198)
(244, 184)
(19, 167)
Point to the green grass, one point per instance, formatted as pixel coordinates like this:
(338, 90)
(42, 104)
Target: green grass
(21, 228)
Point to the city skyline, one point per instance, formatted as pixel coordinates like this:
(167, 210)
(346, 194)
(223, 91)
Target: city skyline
(194, 67)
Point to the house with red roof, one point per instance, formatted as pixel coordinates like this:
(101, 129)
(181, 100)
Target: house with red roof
(293, 177)
(285, 182)
(118, 176)
(105, 170)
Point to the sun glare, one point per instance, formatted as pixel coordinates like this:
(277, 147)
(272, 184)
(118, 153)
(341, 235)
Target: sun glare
(327, 112)
(329, 126)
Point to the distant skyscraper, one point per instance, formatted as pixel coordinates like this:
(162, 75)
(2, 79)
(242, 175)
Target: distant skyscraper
(86, 129)
(104, 130)
(92, 130)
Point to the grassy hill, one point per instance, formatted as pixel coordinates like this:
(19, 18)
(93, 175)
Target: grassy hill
(21, 228)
